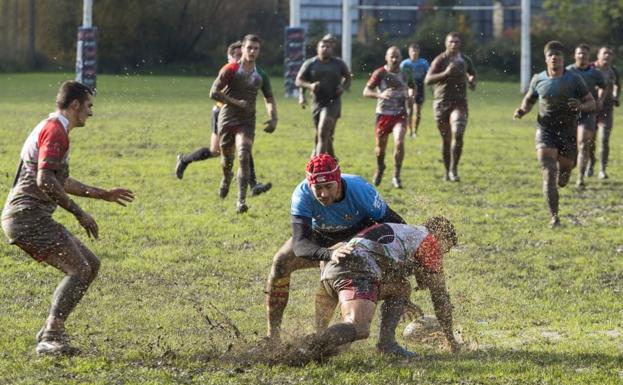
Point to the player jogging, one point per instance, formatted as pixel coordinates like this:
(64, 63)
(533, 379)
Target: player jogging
(418, 67)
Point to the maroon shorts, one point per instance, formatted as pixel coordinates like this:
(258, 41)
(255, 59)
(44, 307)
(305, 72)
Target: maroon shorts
(351, 289)
(385, 123)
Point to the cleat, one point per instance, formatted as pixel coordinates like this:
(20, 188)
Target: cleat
(180, 166)
(260, 188)
(579, 184)
(241, 208)
(603, 175)
(396, 350)
(53, 342)
(376, 179)
(555, 222)
(454, 177)
(223, 189)
(396, 182)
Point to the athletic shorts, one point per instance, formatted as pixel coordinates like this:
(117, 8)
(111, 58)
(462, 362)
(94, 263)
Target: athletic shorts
(35, 232)
(333, 110)
(227, 135)
(564, 141)
(604, 116)
(351, 289)
(419, 94)
(442, 110)
(385, 123)
(588, 121)
(215, 111)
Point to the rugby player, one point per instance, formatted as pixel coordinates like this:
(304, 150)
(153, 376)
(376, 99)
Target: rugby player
(448, 74)
(42, 183)
(328, 208)
(419, 67)
(326, 77)
(236, 87)
(392, 87)
(562, 95)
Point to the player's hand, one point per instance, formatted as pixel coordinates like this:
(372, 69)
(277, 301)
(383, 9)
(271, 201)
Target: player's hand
(451, 68)
(119, 195)
(314, 87)
(471, 82)
(302, 101)
(519, 113)
(411, 311)
(270, 125)
(341, 252)
(574, 105)
(88, 223)
(616, 102)
(385, 95)
(339, 90)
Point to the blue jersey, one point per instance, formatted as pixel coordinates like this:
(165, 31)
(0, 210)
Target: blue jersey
(418, 68)
(361, 204)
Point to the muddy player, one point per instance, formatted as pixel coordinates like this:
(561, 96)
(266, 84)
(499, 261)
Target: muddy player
(234, 53)
(383, 256)
(562, 95)
(392, 87)
(418, 67)
(586, 122)
(236, 87)
(42, 183)
(326, 77)
(605, 113)
(328, 207)
(449, 74)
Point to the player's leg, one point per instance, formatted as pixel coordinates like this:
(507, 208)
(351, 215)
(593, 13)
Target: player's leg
(325, 305)
(458, 122)
(411, 118)
(399, 131)
(445, 130)
(227, 141)
(396, 299)
(585, 143)
(203, 153)
(548, 160)
(418, 115)
(257, 188)
(606, 125)
(381, 135)
(326, 126)
(278, 285)
(244, 146)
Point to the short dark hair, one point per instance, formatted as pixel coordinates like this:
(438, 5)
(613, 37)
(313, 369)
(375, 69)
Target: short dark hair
(554, 45)
(251, 37)
(234, 46)
(442, 227)
(72, 90)
(605, 47)
(453, 34)
(414, 46)
(583, 46)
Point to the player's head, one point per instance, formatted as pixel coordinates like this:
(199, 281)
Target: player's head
(444, 232)
(324, 178)
(414, 51)
(251, 47)
(393, 57)
(324, 49)
(554, 52)
(604, 55)
(453, 42)
(234, 51)
(75, 100)
(581, 54)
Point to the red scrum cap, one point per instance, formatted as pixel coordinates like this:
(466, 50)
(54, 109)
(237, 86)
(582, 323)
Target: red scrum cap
(322, 168)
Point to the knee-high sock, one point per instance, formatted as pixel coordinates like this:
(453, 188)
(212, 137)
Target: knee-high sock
(67, 295)
(277, 295)
(391, 311)
(200, 154)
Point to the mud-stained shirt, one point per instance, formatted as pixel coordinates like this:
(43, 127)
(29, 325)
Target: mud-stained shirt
(399, 82)
(242, 85)
(329, 74)
(387, 251)
(454, 87)
(611, 78)
(553, 94)
(47, 147)
(592, 77)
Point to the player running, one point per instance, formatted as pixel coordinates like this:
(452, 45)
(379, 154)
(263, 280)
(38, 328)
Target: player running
(586, 122)
(418, 67)
(327, 208)
(326, 77)
(448, 74)
(236, 87)
(42, 183)
(392, 87)
(562, 95)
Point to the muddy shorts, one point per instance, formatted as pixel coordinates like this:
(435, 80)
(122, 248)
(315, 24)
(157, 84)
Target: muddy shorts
(227, 135)
(351, 289)
(333, 110)
(588, 121)
(385, 123)
(35, 232)
(419, 94)
(214, 120)
(442, 111)
(564, 141)
(604, 116)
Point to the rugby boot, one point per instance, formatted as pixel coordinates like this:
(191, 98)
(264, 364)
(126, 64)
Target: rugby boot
(579, 184)
(260, 188)
(223, 189)
(603, 175)
(241, 207)
(54, 342)
(180, 166)
(454, 176)
(396, 350)
(555, 222)
(396, 182)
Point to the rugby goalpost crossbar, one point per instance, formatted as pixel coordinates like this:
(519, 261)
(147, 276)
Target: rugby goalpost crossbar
(348, 6)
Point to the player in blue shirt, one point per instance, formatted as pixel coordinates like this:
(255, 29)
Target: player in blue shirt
(328, 208)
(418, 67)
(562, 95)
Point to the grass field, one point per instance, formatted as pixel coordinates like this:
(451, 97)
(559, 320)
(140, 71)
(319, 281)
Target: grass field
(181, 272)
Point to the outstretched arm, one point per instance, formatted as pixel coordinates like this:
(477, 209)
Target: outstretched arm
(436, 283)
(117, 195)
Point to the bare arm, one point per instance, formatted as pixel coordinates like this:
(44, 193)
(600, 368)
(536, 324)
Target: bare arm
(443, 307)
(271, 110)
(434, 75)
(346, 79)
(585, 104)
(368, 92)
(216, 93)
(305, 84)
(116, 195)
(525, 107)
